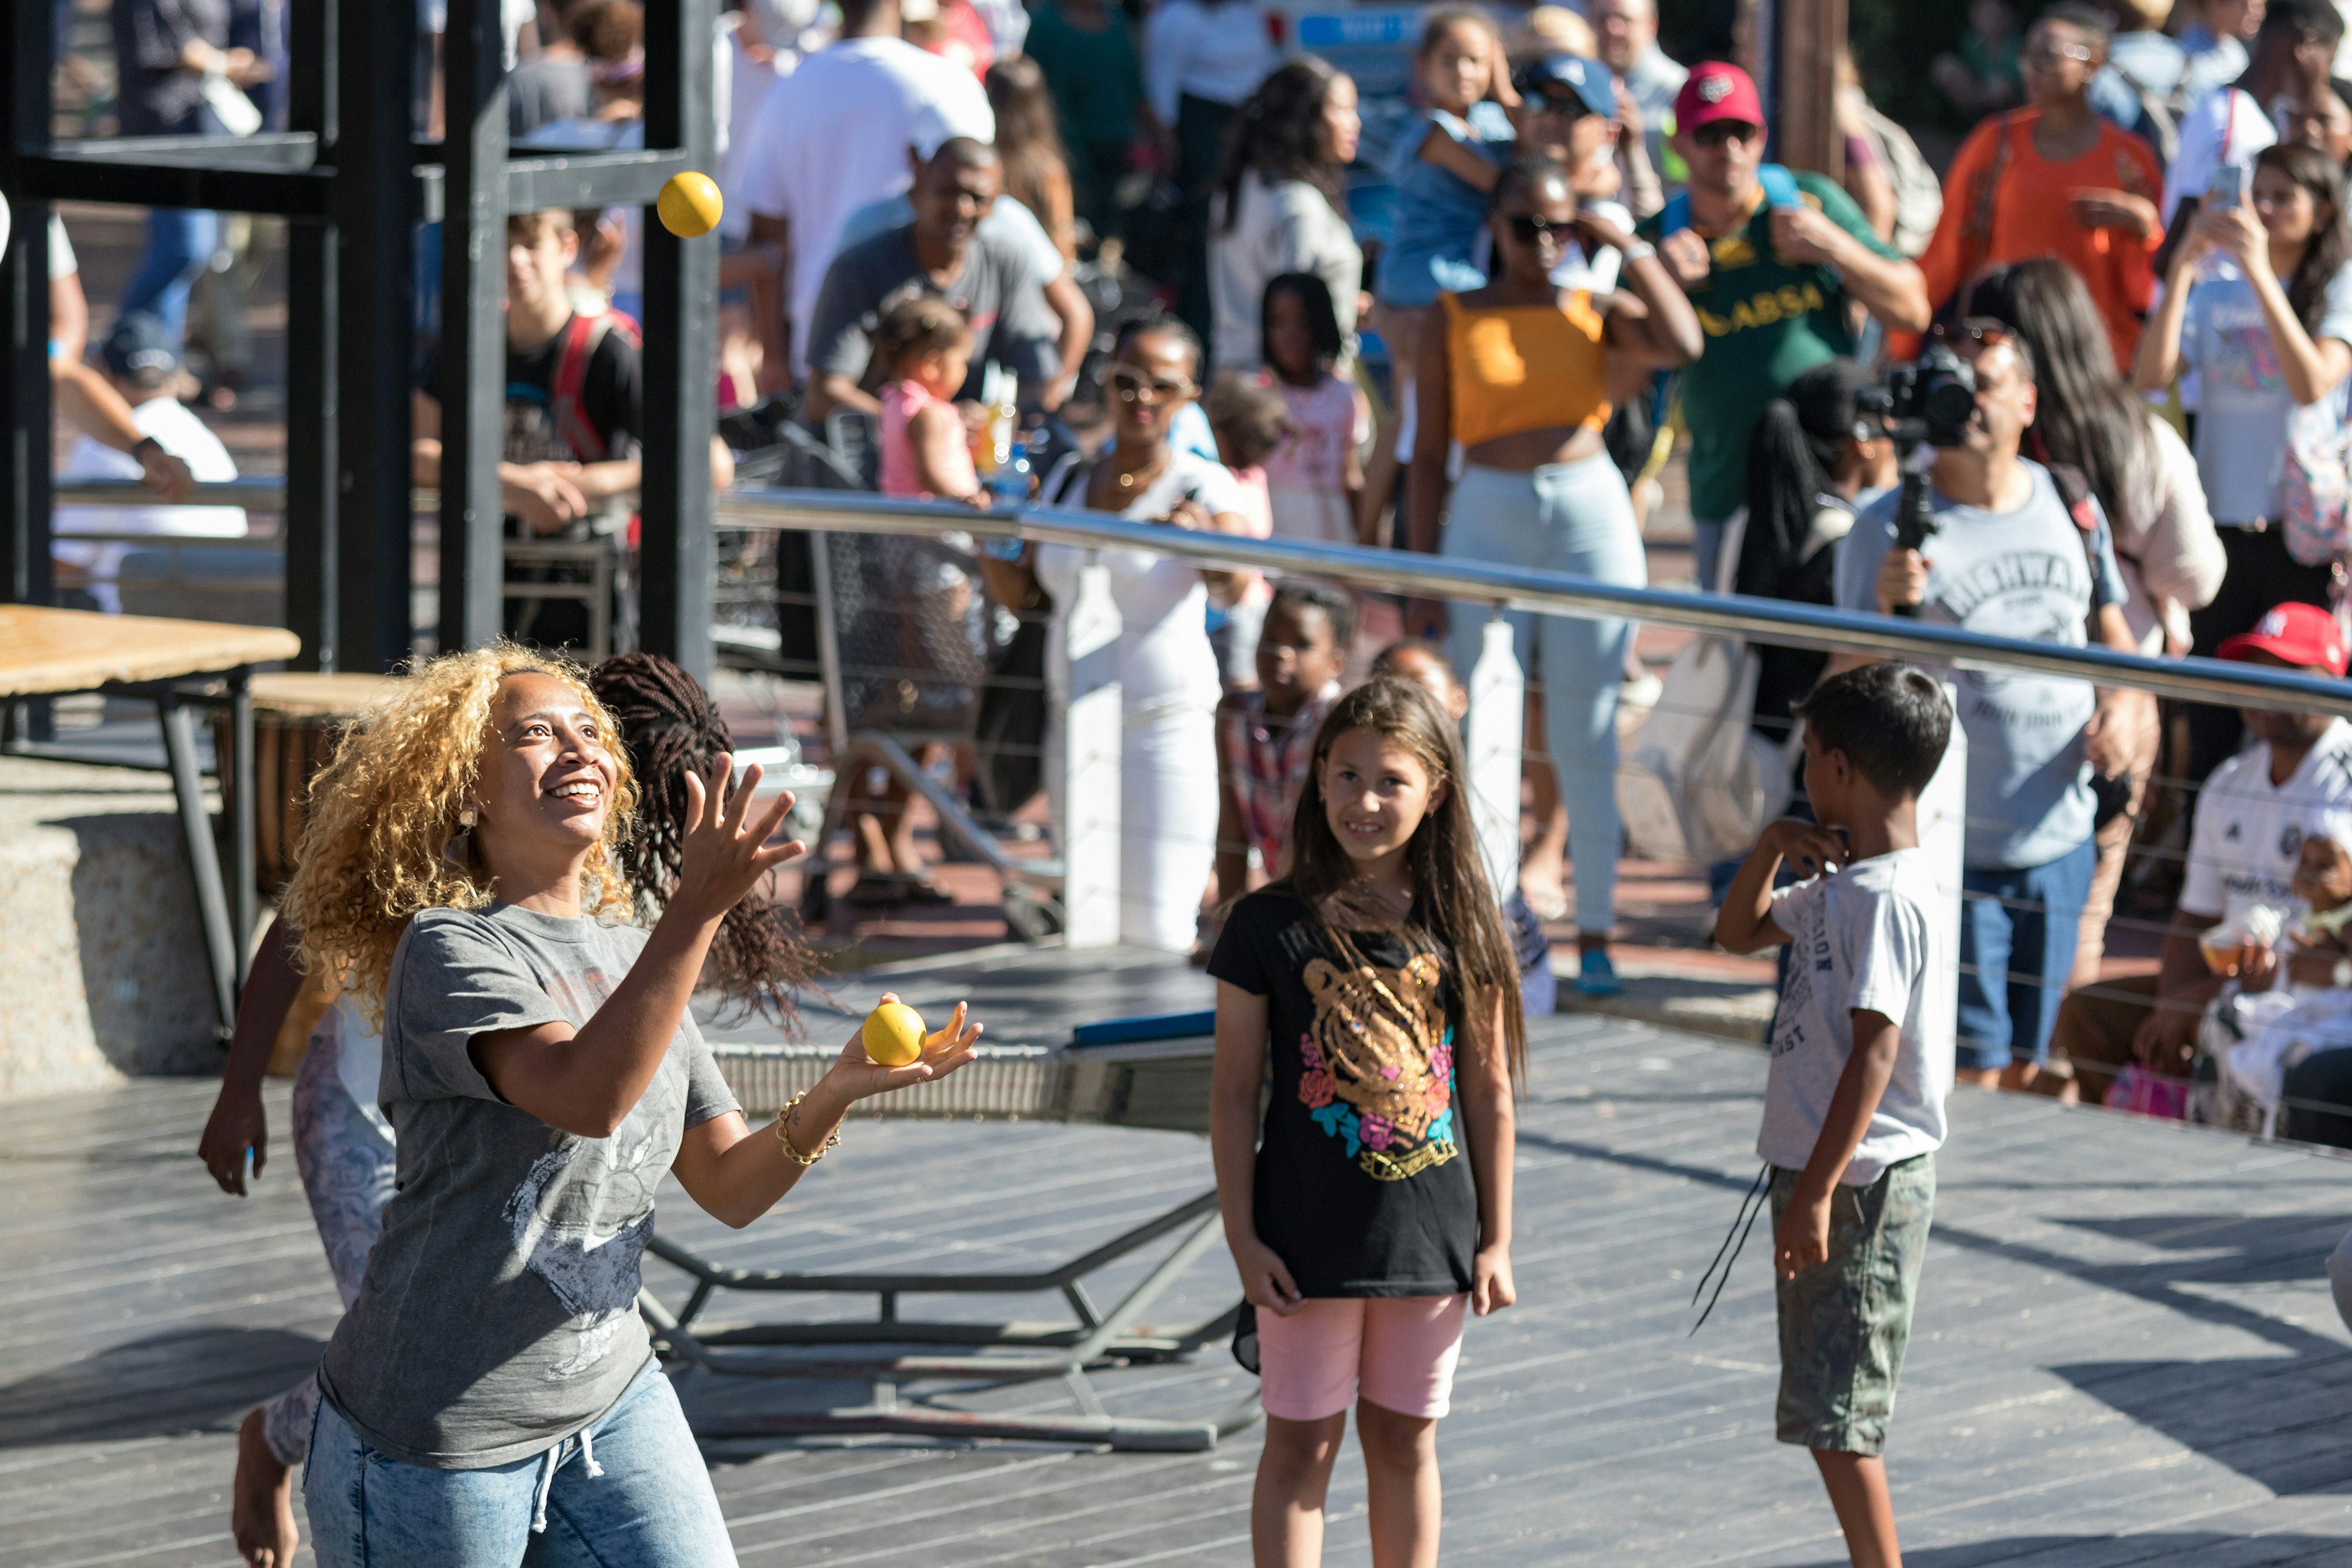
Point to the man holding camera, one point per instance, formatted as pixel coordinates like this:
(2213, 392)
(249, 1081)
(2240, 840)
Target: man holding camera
(2011, 558)
(1772, 258)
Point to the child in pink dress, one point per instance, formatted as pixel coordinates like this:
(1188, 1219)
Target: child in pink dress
(925, 347)
(1315, 479)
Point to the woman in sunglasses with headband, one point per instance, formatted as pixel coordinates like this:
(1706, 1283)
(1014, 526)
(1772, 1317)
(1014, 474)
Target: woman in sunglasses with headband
(1167, 670)
(1522, 374)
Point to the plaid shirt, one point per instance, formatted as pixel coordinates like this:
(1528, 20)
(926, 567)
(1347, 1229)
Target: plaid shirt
(1269, 758)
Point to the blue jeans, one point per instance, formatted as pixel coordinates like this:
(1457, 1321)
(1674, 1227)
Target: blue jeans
(631, 1490)
(180, 245)
(2017, 947)
(1568, 517)
(1707, 553)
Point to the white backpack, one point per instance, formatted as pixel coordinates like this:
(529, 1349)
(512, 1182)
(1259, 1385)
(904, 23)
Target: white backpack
(1700, 782)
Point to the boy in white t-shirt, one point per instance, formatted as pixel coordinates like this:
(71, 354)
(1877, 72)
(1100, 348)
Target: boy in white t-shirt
(1861, 1060)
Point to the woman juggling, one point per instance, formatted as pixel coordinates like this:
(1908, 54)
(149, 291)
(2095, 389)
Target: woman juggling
(1522, 373)
(491, 1392)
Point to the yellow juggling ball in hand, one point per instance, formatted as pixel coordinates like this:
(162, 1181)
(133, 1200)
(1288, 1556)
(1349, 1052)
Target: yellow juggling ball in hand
(893, 1035)
(689, 204)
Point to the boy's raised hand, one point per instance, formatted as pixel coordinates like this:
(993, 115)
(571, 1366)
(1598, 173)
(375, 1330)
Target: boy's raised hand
(1815, 849)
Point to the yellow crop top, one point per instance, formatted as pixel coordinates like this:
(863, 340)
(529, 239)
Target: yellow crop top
(1512, 368)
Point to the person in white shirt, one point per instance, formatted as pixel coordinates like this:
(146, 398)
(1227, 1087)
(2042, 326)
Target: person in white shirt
(1169, 681)
(2214, 47)
(1627, 34)
(2009, 559)
(142, 365)
(2225, 128)
(1862, 1062)
(1280, 206)
(1202, 60)
(833, 136)
(2242, 846)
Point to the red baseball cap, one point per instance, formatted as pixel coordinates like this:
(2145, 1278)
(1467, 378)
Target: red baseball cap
(1716, 90)
(2299, 634)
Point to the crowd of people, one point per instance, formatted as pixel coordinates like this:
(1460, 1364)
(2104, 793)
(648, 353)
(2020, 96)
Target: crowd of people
(1155, 265)
(1224, 291)
(1471, 321)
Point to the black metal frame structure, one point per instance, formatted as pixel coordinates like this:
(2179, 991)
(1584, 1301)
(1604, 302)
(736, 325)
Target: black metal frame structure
(355, 182)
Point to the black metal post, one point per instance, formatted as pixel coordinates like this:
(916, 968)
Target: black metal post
(26, 43)
(681, 348)
(308, 528)
(373, 295)
(473, 327)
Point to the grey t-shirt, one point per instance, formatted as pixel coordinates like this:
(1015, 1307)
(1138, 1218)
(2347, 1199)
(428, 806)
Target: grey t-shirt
(996, 290)
(2027, 575)
(497, 1315)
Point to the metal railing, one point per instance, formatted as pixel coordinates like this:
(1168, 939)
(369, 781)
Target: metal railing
(1556, 593)
(1439, 577)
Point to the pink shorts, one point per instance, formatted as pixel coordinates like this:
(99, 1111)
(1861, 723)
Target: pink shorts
(1396, 1350)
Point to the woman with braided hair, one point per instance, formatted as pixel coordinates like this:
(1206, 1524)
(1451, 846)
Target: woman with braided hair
(670, 728)
(417, 822)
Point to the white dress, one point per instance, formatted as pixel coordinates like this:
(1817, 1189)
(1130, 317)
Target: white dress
(1169, 688)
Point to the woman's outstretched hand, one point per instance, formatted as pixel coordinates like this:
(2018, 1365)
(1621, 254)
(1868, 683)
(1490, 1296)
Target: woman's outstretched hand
(724, 856)
(859, 1077)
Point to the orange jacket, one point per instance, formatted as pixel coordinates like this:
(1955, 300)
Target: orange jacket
(2004, 202)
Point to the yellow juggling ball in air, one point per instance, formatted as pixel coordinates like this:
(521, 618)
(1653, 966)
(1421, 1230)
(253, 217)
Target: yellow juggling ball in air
(893, 1035)
(689, 204)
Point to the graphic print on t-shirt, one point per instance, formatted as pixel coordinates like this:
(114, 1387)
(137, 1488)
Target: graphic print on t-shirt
(1379, 1063)
(589, 1269)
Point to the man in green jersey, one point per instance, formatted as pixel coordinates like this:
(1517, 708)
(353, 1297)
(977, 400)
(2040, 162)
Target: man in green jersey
(1773, 262)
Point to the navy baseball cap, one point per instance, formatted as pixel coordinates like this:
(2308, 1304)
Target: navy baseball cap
(1588, 80)
(140, 346)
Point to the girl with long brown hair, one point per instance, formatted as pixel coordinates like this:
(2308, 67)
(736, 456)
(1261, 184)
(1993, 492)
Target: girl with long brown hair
(1373, 1203)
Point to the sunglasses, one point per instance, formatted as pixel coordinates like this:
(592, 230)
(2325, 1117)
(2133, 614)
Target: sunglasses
(1531, 230)
(1982, 331)
(2051, 54)
(1134, 386)
(1715, 133)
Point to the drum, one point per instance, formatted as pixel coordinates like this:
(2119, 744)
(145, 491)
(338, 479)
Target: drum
(296, 720)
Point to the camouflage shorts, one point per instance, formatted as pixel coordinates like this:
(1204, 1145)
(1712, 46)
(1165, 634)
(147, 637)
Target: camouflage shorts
(1844, 1323)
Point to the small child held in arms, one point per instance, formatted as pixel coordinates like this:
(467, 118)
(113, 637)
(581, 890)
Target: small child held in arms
(924, 347)
(1377, 976)
(1862, 1061)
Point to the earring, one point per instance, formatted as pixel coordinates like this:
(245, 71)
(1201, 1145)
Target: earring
(466, 819)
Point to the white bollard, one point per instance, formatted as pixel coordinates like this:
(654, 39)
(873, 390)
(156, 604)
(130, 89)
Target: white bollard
(1943, 816)
(1499, 695)
(1083, 668)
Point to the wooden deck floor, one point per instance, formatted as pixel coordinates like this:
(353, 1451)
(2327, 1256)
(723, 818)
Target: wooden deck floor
(2125, 1353)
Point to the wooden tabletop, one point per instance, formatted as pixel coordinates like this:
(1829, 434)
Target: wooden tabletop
(297, 695)
(44, 651)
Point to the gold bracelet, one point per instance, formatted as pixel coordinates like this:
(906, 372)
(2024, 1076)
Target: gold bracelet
(783, 1120)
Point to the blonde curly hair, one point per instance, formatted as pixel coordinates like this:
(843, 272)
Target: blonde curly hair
(381, 815)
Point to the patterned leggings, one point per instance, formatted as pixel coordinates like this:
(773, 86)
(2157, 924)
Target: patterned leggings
(347, 1167)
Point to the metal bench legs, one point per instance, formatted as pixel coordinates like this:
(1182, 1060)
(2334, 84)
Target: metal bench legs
(1038, 1352)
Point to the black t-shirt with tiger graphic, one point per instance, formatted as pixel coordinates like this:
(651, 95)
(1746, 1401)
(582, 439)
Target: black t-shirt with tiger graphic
(1364, 1182)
